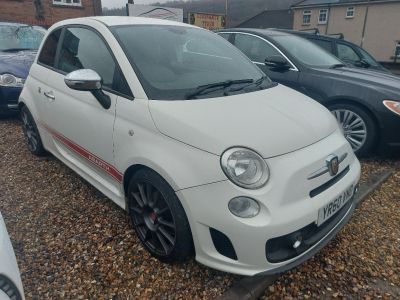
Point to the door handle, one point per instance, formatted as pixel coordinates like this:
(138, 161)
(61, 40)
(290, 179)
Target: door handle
(50, 96)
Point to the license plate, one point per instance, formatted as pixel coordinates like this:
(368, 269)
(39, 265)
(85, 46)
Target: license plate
(334, 206)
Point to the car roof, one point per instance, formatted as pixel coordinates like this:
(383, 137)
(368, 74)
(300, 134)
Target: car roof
(311, 35)
(262, 32)
(123, 21)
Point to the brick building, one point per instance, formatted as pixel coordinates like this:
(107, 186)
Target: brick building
(47, 12)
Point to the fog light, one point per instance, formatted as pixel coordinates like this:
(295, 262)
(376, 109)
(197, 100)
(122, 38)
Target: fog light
(244, 207)
(297, 243)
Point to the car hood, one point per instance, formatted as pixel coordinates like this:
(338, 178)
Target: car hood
(272, 122)
(17, 63)
(365, 77)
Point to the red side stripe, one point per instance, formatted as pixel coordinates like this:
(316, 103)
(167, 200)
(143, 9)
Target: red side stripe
(92, 158)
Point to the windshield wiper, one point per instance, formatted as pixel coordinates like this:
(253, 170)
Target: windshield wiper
(17, 49)
(337, 66)
(256, 83)
(203, 88)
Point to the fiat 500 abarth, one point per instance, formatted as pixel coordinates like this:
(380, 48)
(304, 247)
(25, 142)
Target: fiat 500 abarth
(205, 152)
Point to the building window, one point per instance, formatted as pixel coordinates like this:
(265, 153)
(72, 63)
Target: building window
(350, 12)
(68, 2)
(323, 16)
(306, 17)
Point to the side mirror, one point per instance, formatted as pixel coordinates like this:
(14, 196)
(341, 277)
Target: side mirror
(89, 81)
(362, 64)
(277, 62)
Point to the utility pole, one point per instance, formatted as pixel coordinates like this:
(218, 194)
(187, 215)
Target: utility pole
(365, 24)
(226, 13)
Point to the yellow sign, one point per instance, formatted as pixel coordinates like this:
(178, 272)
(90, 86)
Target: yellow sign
(208, 21)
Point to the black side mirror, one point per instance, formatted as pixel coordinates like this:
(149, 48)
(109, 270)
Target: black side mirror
(362, 64)
(88, 80)
(277, 62)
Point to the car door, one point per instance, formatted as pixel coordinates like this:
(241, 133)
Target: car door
(39, 73)
(258, 49)
(82, 130)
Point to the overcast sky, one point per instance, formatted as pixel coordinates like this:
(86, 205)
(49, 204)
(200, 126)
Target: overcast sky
(121, 3)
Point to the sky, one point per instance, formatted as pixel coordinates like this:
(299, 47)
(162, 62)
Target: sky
(121, 3)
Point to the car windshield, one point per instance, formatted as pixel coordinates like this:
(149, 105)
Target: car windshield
(177, 62)
(20, 37)
(307, 52)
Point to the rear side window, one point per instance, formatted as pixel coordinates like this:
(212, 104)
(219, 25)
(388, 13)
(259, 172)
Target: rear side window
(84, 49)
(323, 44)
(48, 54)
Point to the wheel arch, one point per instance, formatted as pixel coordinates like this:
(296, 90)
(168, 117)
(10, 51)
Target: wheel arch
(367, 109)
(356, 102)
(134, 168)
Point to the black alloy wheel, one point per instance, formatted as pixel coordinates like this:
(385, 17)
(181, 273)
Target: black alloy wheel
(31, 133)
(158, 217)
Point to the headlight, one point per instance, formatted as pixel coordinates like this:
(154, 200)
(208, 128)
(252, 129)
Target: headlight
(10, 80)
(245, 168)
(394, 106)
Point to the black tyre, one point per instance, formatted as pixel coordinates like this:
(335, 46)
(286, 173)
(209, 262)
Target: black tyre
(158, 217)
(358, 126)
(31, 133)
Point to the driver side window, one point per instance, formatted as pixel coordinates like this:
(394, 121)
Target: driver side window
(255, 48)
(84, 49)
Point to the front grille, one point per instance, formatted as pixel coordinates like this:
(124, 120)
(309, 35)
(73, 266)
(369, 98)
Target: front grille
(281, 248)
(327, 185)
(8, 287)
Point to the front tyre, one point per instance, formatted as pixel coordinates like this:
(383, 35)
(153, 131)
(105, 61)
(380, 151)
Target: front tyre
(158, 217)
(358, 127)
(31, 133)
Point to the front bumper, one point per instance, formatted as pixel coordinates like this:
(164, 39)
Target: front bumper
(9, 99)
(9, 272)
(286, 207)
(390, 134)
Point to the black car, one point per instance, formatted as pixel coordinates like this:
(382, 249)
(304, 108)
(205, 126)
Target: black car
(346, 51)
(366, 103)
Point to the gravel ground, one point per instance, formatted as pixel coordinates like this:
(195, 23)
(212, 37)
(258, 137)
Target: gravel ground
(72, 242)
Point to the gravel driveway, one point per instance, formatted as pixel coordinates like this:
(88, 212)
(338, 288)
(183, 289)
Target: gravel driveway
(72, 242)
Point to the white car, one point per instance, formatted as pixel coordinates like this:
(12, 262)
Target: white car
(10, 280)
(179, 128)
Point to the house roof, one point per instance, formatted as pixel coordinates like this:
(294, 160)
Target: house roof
(335, 2)
(270, 18)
